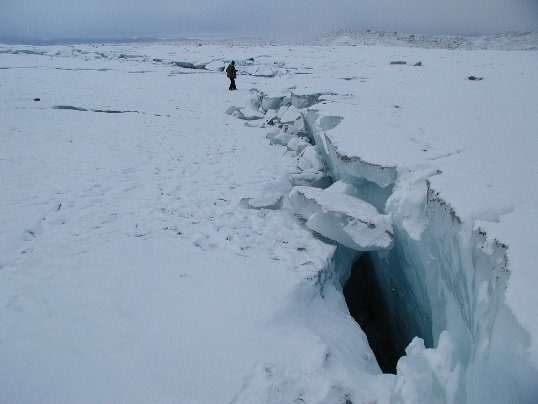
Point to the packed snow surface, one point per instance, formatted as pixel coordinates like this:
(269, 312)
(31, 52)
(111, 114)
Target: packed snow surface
(150, 251)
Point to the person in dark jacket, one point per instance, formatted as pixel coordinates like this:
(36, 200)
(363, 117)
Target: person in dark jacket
(231, 72)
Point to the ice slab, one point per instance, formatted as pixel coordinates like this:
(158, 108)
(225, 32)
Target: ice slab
(312, 179)
(304, 100)
(263, 71)
(216, 65)
(271, 201)
(289, 114)
(270, 114)
(269, 103)
(297, 144)
(189, 65)
(310, 160)
(281, 139)
(244, 113)
(343, 218)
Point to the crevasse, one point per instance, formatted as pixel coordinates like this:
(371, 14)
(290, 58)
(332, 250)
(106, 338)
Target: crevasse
(442, 283)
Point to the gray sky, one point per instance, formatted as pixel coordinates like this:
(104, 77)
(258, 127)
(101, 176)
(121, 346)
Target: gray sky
(46, 19)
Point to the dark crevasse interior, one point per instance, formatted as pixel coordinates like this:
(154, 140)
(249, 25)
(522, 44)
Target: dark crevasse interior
(366, 305)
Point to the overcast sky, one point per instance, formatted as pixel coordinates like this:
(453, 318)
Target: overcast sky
(46, 19)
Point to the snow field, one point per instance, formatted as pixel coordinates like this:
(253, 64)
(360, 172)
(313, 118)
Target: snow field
(153, 255)
(130, 271)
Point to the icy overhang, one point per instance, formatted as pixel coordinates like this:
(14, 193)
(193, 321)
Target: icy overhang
(350, 221)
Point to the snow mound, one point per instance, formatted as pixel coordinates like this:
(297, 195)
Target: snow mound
(432, 373)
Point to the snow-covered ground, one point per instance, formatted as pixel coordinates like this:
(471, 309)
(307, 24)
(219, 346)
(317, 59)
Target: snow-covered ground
(154, 248)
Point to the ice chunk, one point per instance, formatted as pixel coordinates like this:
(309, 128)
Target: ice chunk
(274, 121)
(282, 111)
(316, 179)
(216, 65)
(262, 71)
(231, 110)
(240, 62)
(270, 114)
(28, 52)
(271, 134)
(269, 103)
(292, 130)
(343, 187)
(304, 100)
(184, 64)
(250, 114)
(282, 139)
(271, 201)
(429, 375)
(297, 144)
(297, 127)
(245, 114)
(409, 197)
(343, 218)
(310, 160)
(290, 115)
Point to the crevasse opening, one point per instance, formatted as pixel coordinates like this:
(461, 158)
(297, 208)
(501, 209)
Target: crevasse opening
(366, 304)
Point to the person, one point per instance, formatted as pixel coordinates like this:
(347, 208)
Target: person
(231, 72)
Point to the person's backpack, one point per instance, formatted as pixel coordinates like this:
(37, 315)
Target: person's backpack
(230, 71)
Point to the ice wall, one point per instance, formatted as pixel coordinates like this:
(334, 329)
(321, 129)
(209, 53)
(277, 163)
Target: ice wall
(443, 281)
(446, 281)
